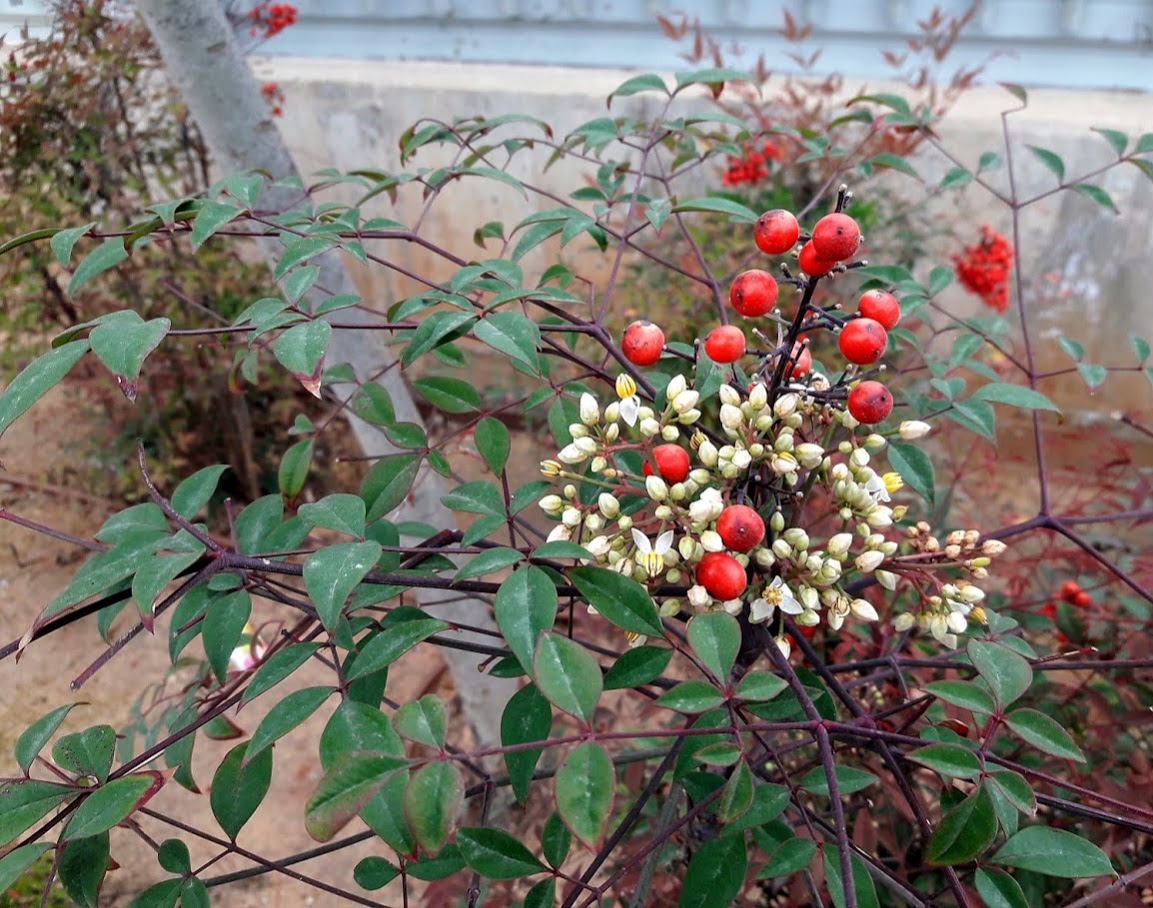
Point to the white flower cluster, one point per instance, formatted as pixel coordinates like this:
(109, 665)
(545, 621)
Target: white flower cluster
(657, 529)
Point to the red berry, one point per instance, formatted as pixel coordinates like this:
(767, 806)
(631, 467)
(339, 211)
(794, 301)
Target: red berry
(811, 263)
(725, 344)
(804, 362)
(721, 575)
(870, 402)
(776, 231)
(1082, 600)
(863, 341)
(741, 528)
(836, 237)
(881, 306)
(1069, 589)
(753, 293)
(642, 343)
(672, 462)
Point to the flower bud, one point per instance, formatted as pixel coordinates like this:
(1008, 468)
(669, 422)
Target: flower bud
(957, 622)
(560, 533)
(764, 557)
(912, 429)
(797, 538)
(840, 544)
(869, 561)
(689, 417)
(742, 459)
(612, 412)
(730, 471)
(900, 511)
(731, 417)
(848, 421)
(880, 518)
(687, 547)
(758, 396)
(589, 411)
(711, 541)
(609, 506)
(698, 596)
(686, 401)
(859, 458)
(782, 549)
(570, 491)
(552, 504)
(729, 395)
(763, 423)
(550, 468)
(670, 608)
(784, 646)
(903, 622)
(809, 598)
(707, 453)
(571, 517)
(808, 618)
(677, 491)
(578, 429)
(656, 488)
(777, 522)
(887, 579)
(809, 455)
(624, 523)
(670, 433)
(676, 386)
(993, 547)
(875, 442)
(663, 512)
(786, 405)
(650, 427)
(594, 523)
(863, 609)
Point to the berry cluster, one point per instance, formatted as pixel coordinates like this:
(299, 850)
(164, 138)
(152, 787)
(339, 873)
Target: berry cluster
(983, 269)
(752, 167)
(270, 19)
(274, 96)
(775, 506)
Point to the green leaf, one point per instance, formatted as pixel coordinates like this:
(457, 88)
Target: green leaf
(894, 162)
(742, 214)
(716, 874)
(527, 717)
(107, 255)
(15, 862)
(36, 735)
(373, 404)
(111, 803)
(211, 217)
(495, 854)
(333, 572)
(964, 694)
(277, 667)
(432, 803)
(915, 467)
(294, 467)
(1053, 852)
(122, 343)
(37, 378)
(450, 395)
(1007, 673)
(862, 883)
(1097, 194)
(585, 784)
(298, 251)
(998, 889)
(1015, 396)
(619, 599)
(964, 832)
(374, 873)
(284, 717)
(387, 484)
(82, 865)
(439, 328)
(989, 160)
(849, 780)
(715, 638)
(1071, 347)
(193, 894)
(555, 840)
(88, 752)
(392, 643)
(1140, 348)
(712, 76)
(174, 857)
(737, 795)
(1050, 160)
(768, 802)
(301, 351)
(637, 666)
(341, 512)
(345, 789)
(957, 176)
(567, 675)
(723, 753)
(1094, 376)
(423, 721)
(949, 760)
(448, 862)
(789, 857)
(63, 241)
(24, 801)
(757, 687)
(197, 490)
(525, 607)
(512, 334)
(560, 549)
(160, 895)
(691, 697)
(542, 895)
(1015, 788)
(1044, 733)
(223, 626)
(1144, 144)
(492, 440)
(355, 727)
(480, 497)
(637, 84)
(488, 562)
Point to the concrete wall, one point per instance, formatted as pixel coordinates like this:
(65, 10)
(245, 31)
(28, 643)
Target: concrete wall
(1089, 271)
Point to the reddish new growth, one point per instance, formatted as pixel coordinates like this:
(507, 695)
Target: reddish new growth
(271, 18)
(984, 269)
(274, 96)
(753, 167)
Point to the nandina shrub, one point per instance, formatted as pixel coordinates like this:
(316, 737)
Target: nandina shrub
(841, 710)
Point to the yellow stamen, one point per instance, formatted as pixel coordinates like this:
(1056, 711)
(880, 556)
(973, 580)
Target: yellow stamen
(626, 387)
(893, 481)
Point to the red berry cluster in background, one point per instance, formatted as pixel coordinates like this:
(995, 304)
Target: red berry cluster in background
(753, 167)
(274, 96)
(1070, 592)
(984, 269)
(271, 18)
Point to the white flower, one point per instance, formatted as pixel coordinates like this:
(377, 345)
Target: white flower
(698, 596)
(598, 546)
(708, 507)
(733, 606)
(776, 595)
(635, 640)
(957, 622)
(630, 405)
(559, 533)
(912, 429)
(651, 556)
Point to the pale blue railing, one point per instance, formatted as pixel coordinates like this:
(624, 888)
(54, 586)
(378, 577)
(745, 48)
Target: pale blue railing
(1059, 43)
